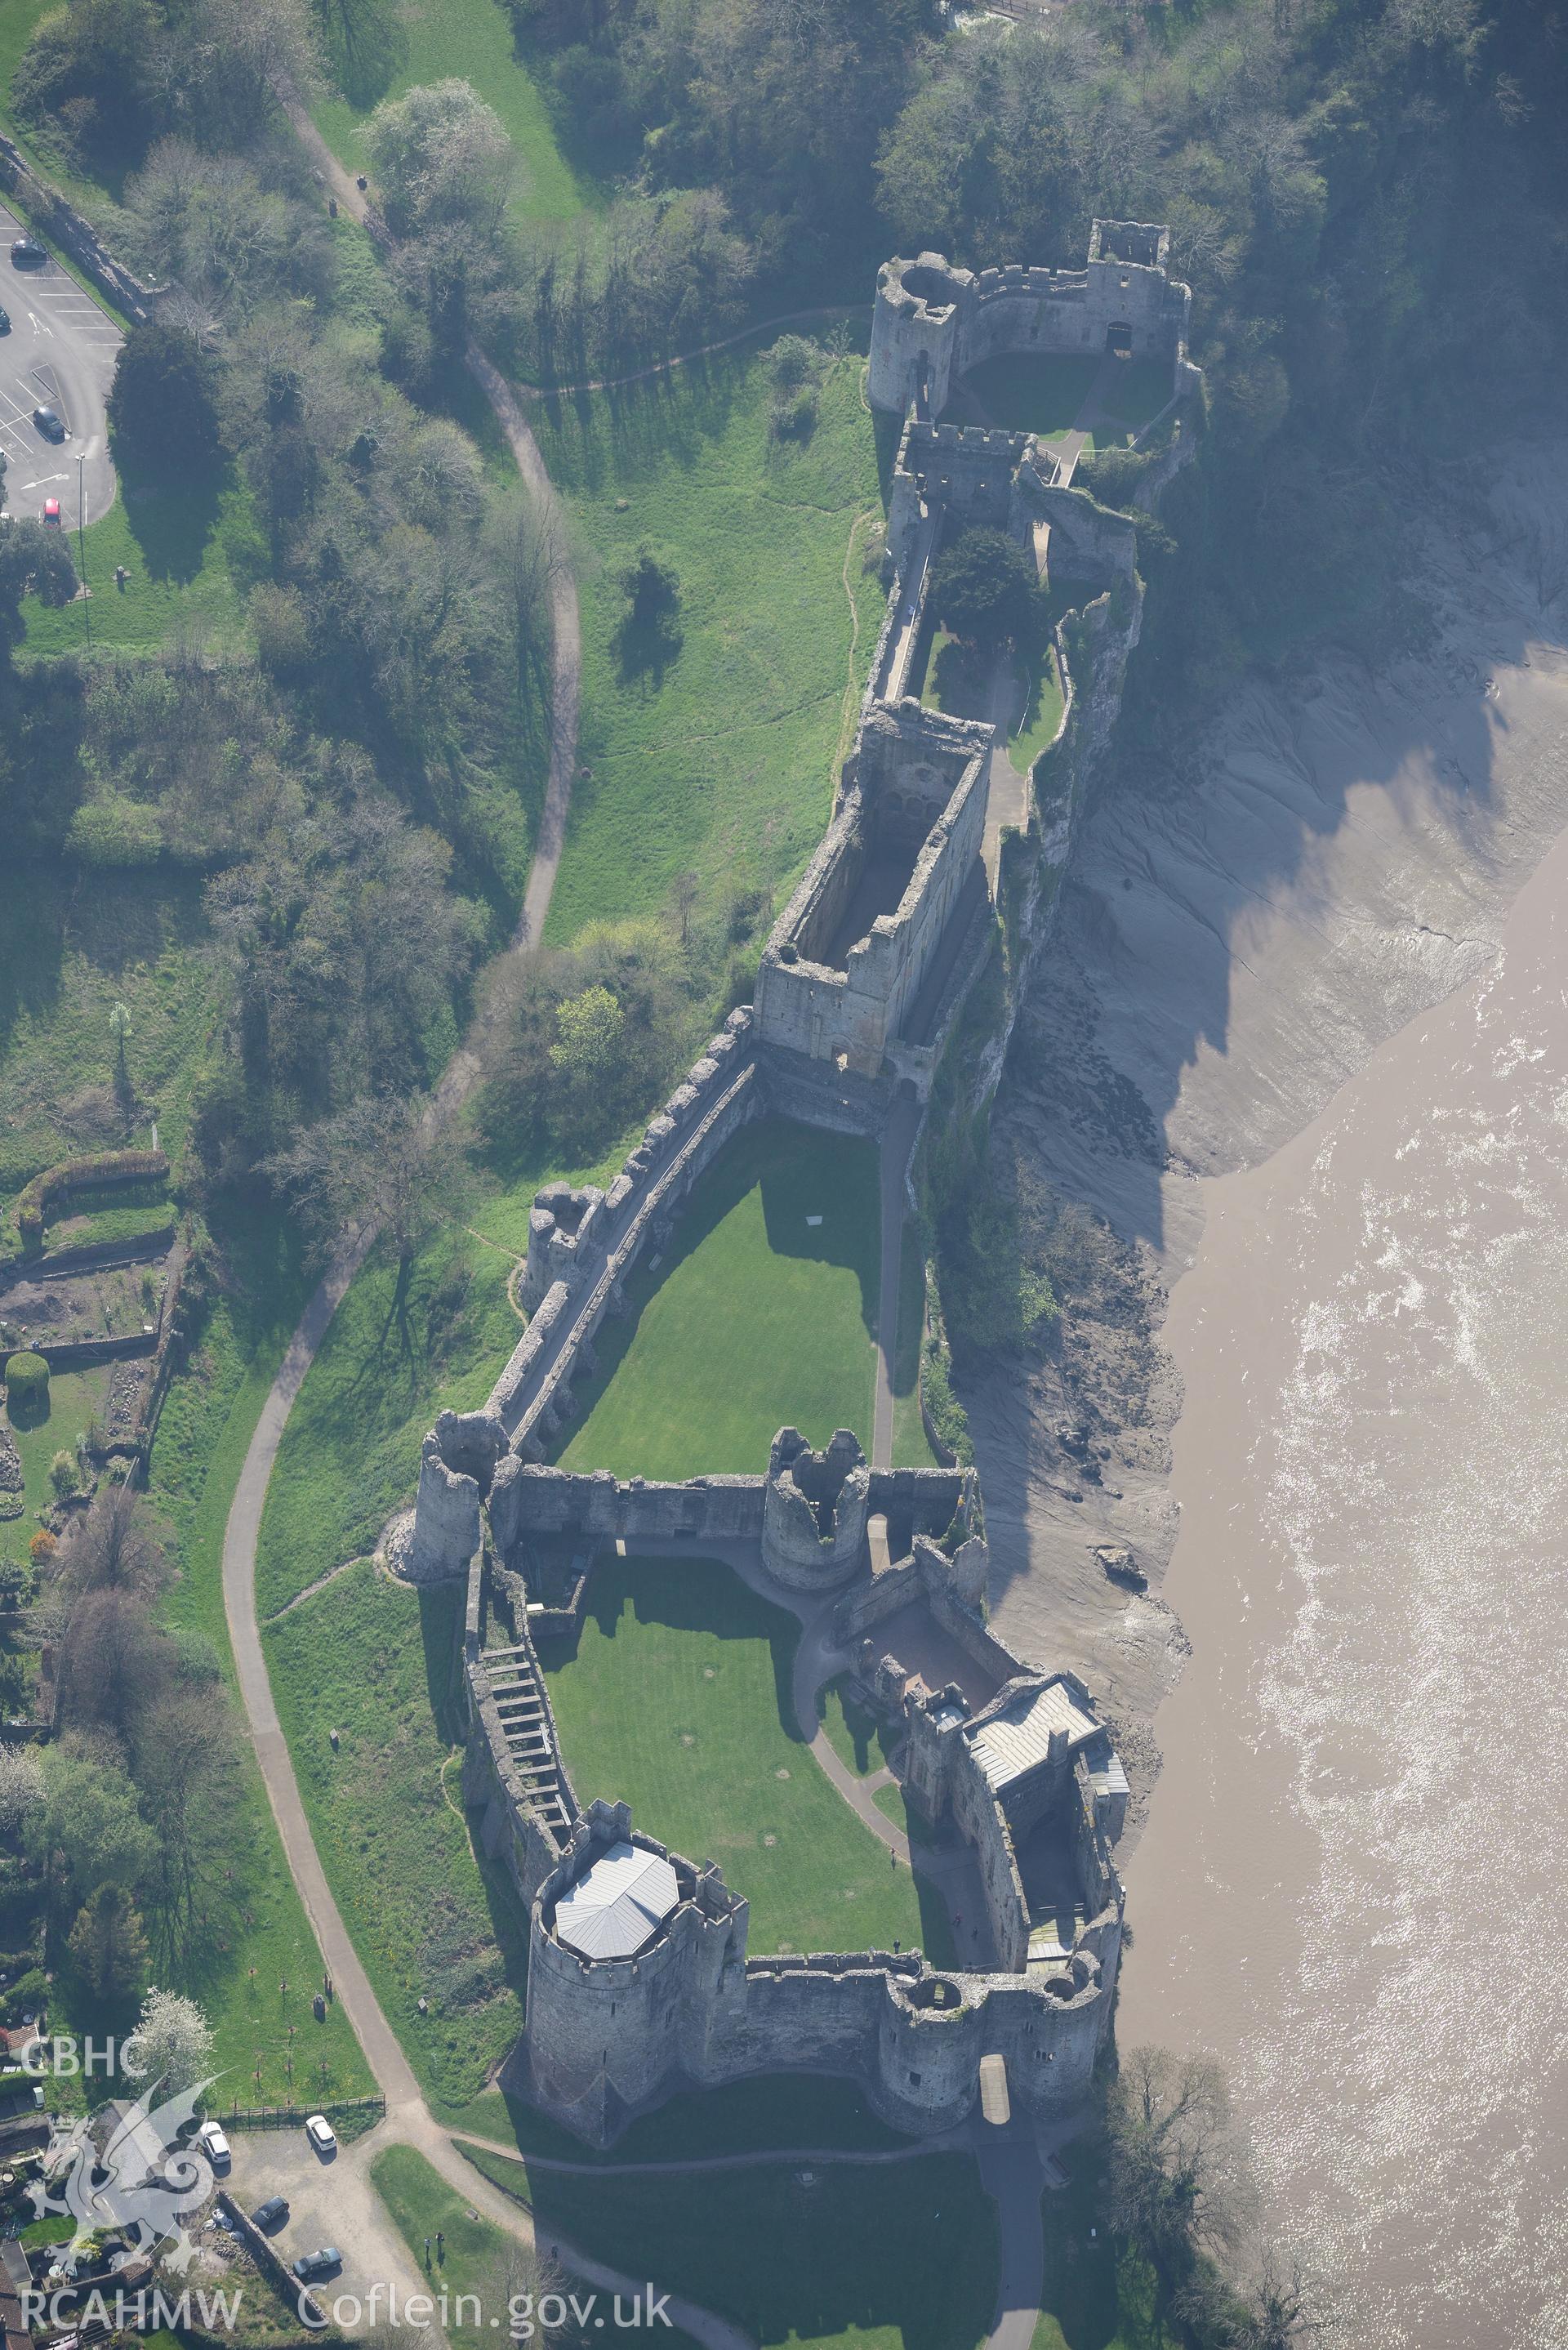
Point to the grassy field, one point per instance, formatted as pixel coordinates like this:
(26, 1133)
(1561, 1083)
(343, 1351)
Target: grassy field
(1025, 393)
(902, 2257)
(720, 762)
(677, 1700)
(1098, 2295)
(130, 938)
(188, 556)
(402, 1345)
(756, 1320)
(480, 2269)
(1043, 706)
(433, 40)
(379, 1663)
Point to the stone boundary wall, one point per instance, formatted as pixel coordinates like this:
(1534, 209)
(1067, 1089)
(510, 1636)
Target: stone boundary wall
(533, 1393)
(56, 219)
(269, 2260)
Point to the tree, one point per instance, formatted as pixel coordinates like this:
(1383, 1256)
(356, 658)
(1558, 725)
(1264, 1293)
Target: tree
(985, 589)
(163, 403)
(108, 1947)
(113, 1548)
(1171, 2179)
(373, 1162)
(88, 1830)
(21, 1789)
(33, 561)
(171, 2047)
(441, 159)
(64, 1477)
(587, 1062)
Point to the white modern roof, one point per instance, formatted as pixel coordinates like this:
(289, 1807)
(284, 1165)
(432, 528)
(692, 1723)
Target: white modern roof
(618, 1904)
(1013, 1741)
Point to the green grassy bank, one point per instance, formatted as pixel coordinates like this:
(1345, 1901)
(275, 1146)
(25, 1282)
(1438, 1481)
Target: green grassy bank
(677, 1700)
(756, 1319)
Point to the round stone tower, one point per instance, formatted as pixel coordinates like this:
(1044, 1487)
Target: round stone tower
(916, 331)
(931, 2038)
(815, 1507)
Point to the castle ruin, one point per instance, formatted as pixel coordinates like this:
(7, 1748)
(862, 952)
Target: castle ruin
(639, 1982)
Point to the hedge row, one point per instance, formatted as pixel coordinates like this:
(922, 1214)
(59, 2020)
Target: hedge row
(74, 1174)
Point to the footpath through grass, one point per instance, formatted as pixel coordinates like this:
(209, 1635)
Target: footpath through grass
(677, 1700)
(756, 1320)
(405, 1342)
(720, 760)
(379, 1664)
(433, 40)
(899, 2257)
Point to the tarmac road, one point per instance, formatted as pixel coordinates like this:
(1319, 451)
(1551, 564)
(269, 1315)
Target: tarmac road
(60, 353)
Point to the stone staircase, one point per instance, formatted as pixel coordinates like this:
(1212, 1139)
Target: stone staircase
(517, 1688)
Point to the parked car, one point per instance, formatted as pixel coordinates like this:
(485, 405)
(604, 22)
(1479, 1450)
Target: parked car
(52, 511)
(321, 2134)
(49, 423)
(26, 253)
(209, 2137)
(4, 322)
(270, 2214)
(311, 2265)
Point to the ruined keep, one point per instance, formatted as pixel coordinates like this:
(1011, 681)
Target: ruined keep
(933, 322)
(644, 1986)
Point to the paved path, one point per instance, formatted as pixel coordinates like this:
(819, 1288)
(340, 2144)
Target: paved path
(1013, 2176)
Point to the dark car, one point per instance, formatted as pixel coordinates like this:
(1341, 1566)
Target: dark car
(49, 423)
(311, 2265)
(4, 322)
(270, 2214)
(26, 253)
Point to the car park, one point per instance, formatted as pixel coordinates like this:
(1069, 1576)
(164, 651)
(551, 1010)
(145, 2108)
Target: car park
(321, 2134)
(312, 2265)
(270, 2214)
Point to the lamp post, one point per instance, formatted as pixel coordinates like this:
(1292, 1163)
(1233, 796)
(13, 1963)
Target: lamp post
(81, 538)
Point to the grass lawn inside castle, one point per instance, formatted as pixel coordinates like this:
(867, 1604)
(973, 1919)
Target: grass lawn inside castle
(677, 1700)
(756, 1318)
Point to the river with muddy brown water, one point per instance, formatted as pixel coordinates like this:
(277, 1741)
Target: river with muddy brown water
(1315, 1072)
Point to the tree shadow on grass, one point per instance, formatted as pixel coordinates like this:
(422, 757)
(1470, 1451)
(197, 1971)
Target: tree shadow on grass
(802, 1173)
(171, 522)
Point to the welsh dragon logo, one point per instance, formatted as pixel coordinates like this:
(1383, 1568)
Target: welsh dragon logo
(140, 2185)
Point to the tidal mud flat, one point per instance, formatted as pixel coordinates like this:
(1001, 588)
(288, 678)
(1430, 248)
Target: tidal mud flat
(1299, 1051)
